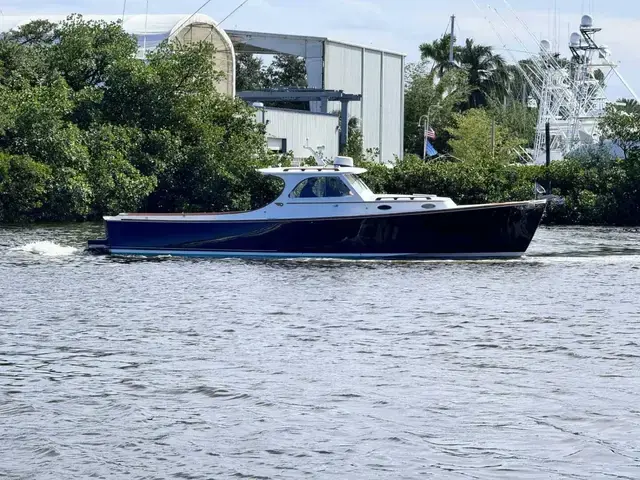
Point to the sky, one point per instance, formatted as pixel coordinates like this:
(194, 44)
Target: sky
(402, 25)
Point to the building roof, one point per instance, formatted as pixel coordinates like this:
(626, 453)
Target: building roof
(248, 42)
(157, 28)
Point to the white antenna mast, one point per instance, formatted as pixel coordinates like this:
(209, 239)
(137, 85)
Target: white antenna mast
(144, 42)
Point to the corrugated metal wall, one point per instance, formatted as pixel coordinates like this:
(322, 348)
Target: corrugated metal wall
(371, 97)
(392, 107)
(379, 77)
(298, 126)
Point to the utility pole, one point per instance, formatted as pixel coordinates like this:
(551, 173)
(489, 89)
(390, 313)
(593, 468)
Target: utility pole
(453, 23)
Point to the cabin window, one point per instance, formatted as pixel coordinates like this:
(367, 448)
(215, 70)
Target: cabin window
(320, 187)
(357, 183)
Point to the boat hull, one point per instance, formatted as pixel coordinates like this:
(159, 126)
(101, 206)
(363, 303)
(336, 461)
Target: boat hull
(489, 231)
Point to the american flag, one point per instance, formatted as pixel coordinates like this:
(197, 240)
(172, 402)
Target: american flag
(430, 133)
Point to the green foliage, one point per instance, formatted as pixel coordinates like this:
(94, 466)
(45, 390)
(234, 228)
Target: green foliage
(594, 193)
(438, 52)
(285, 71)
(442, 96)
(87, 130)
(487, 71)
(472, 139)
(23, 187)
(517, 118)
(250, 74)
(622, 126)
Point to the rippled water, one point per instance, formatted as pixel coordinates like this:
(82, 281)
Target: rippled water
(185, 368)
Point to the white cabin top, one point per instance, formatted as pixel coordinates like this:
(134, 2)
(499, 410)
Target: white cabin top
(311, 170)
(315, 191)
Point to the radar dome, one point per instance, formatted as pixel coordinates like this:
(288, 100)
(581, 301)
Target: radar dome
(574, 40)
(343, 161)
(586, 22)
(545, 46)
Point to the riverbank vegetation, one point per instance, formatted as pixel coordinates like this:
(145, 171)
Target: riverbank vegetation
(86, 130)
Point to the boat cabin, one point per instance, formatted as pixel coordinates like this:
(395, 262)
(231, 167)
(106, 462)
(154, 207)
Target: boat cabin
(322, 183)
(326, 191)
(339, 183)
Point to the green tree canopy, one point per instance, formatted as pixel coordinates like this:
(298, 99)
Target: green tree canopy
(427, 92)
(438, 52)
(621, 125)
(86, 129)
(472, 139)
(486, 70)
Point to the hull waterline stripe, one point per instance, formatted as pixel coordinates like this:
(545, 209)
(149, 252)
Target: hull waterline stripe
(209, 253)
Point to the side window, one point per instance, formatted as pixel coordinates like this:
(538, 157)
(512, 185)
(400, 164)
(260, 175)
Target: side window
(320, 187)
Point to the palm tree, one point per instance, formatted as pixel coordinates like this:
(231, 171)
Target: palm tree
(629, 105)
(487, 71)
(438, 53)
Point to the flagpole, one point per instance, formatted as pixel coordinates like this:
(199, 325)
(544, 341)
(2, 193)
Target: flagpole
(424, 140)
(425, 132)
(424, 136)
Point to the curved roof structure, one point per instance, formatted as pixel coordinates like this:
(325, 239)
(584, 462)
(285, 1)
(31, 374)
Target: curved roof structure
(151, 30)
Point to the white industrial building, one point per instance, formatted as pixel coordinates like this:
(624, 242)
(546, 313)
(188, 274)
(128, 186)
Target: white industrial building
(371, 78)
(376, 75)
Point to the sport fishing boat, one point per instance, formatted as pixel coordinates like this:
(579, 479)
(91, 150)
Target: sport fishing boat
(329, 212)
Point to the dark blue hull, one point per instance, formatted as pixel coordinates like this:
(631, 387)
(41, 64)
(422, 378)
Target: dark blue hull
(501, 230)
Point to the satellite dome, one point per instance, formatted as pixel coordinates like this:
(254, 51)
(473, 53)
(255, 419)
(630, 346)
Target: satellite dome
(343, 161)
(574, 40)
(586, 22)
(545, 46)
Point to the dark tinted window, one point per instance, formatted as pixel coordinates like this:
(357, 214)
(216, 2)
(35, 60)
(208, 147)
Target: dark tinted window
(320, 187)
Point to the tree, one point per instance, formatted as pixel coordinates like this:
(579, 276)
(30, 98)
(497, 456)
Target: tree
(23, 187)
(622, 127)
(250, 72)
(486, 70)
(443, 95)
(438, 52)
(82, 51)
(629, 105)
(516, 117)
(287, 71)
(86, 129)
(472, 138)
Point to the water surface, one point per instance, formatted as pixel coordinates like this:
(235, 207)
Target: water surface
(120, 367)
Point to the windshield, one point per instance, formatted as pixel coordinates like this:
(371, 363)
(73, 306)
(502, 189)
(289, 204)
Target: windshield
(358, 185)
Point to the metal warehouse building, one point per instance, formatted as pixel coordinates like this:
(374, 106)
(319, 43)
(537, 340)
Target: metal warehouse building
(368, 82)
(376, 75)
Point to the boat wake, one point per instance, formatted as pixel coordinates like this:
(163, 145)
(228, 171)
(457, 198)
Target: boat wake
(46, 248)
